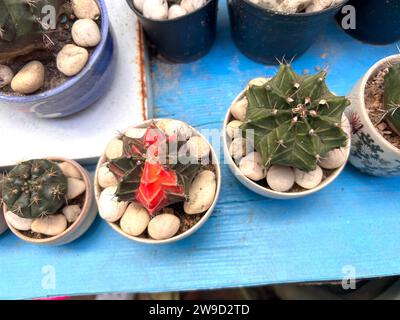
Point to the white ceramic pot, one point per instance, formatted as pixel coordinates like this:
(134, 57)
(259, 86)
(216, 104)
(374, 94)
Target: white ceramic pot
(254, 186)
(185, 234)
(370, 151)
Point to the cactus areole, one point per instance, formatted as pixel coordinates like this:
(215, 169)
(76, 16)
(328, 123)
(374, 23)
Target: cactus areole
(294, 119)
(392, 97)
(150, 171)
(35, 188)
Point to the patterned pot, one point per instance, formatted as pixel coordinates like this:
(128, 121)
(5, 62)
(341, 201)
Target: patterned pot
(370, 151)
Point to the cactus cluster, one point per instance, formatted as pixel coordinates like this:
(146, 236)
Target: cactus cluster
(35, 188)
(151, 172)
(392, 97)
(25, 25)
(295, 119)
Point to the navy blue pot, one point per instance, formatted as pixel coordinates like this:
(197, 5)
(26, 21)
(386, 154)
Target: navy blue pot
(183, 39)
(78, 92)
(377, 21)
(265, 36)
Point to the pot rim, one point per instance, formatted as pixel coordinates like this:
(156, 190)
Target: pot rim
(297, 15)
(71, 81)
(138, 13)
(267, 192)
(379, 65)
(84, 212)
(198, 225)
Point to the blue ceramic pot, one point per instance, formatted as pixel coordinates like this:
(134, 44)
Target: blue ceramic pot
(78, 92)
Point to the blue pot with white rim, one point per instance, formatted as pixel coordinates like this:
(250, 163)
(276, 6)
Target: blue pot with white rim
(78, 92)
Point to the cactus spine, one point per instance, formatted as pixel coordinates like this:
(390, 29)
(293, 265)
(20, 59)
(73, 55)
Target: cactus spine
(295, 119)
(24, 26)
(35, 188)
(392, 97)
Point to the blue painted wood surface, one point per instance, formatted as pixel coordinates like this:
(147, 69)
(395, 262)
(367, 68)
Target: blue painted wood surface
(249, 240)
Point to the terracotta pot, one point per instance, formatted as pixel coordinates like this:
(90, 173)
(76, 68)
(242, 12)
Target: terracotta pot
(185, 234)
(370, 151)
(78, 227)
(263, 191)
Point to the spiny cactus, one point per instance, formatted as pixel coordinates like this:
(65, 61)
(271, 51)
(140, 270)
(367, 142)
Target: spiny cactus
(151, 173)
(24, 26)
(296, 119)
(392, 97)
(35, 188)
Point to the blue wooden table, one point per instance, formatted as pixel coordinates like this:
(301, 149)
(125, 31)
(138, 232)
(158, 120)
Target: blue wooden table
(249, 240)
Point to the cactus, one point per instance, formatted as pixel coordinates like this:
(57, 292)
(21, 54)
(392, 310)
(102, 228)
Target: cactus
(35, 188)
(295, 119)
(392, 97)
(24, 27)
(149, 176)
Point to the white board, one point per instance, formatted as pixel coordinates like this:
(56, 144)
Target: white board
(83, 136)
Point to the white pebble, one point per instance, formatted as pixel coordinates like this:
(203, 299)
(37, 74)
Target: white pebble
(334, 159)
(196, 147)
(201, 193)
(51, 225)
(163, 226)
(114, 149)
(238, 148)
(135, 220)
(75, 188)
(308, 180)
(252, 166)
(18, 222)
(280, 178)
(239, 109)
(29, 79)
(138, 4)
(69, 170)
(233, 129)
(192, 5)
(72, 59)
(110, 208)
(86, 9)
(6, 75)
(105, 177)
(155, 9)
(135, 133)
(178, 128)
(86, 33)
(71, 212)
(176, 11)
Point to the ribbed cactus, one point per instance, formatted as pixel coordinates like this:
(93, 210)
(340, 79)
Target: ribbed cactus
(35, 188)
(25, 25)
(296, 119)
(392, 97)
(152, 179)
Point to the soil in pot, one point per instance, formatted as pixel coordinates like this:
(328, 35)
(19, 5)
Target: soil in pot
(70, 192)
(374, 103)
(61, 52)
(156, 182)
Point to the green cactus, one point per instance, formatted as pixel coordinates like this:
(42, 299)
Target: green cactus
(24, 27)
(392, 97)
(295, 119)
(35, 188)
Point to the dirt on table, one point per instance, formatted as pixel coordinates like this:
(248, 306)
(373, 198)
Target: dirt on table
(374, 92)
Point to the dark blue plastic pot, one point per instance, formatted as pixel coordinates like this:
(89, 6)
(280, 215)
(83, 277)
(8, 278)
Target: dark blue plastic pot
(377, 21)
(265, 36)
(78, 92)
(183, 39)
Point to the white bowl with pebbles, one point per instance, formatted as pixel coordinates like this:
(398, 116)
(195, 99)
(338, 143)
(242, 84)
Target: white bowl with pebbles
(72, 220)
(131, 219)
(276, 182)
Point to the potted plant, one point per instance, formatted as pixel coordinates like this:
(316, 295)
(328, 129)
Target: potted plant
(157, 182)
(48, 201)
(53, 51)
(287, 137)
(374, 115)
(3, 224)
(268, 30)
(384, 28)
(181, 31)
